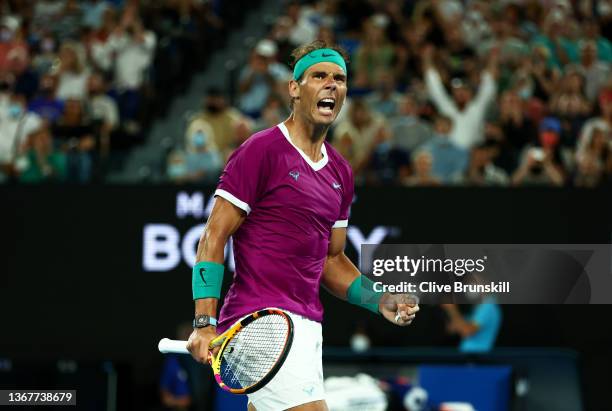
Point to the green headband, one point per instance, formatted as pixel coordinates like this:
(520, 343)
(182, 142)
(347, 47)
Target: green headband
(317, 56)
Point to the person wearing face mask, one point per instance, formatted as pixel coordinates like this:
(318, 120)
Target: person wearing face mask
(16, 124)
(203, 159)
(176, 168)
(222, 118)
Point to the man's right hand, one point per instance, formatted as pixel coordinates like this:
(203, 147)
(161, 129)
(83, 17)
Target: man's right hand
(198, 343)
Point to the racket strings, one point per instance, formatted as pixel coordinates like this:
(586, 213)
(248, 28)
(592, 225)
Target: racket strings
(252, 353)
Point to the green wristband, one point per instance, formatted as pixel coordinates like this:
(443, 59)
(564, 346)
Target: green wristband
(361, 292)
(206, 280)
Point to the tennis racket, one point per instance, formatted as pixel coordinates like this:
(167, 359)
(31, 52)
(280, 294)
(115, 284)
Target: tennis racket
(251, 351)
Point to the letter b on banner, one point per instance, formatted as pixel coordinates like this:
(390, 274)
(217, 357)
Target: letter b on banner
(161, 247)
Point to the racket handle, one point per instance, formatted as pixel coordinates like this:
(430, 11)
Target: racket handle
(166, 345)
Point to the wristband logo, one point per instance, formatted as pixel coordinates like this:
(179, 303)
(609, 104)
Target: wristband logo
(202, 270)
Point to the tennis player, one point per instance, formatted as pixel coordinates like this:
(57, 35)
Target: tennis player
(285, 196)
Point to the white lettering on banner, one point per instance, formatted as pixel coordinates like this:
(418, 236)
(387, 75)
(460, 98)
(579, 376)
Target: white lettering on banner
(163, 248)
(357, 238)
(189, 204)
(160, 247)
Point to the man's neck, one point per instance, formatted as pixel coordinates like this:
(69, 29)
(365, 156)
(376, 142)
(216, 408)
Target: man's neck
(306, 136)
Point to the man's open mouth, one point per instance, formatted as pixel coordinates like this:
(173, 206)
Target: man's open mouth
(326, 105)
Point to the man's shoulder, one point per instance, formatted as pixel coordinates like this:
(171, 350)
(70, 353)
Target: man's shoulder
(336, 158)
(262, 140)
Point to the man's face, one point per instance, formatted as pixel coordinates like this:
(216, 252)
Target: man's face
(321, 92)
(462, 95)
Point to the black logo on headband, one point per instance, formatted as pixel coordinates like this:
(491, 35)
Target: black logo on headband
(326, 55)
(202, 275)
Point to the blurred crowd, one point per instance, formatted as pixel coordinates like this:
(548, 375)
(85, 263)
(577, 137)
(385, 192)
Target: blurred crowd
(441, 92)
(80, 81)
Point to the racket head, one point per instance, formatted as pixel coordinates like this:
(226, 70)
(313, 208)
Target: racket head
(252, 351)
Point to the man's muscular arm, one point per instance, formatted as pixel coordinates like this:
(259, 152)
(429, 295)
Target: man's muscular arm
(224, 220)
(339, 273)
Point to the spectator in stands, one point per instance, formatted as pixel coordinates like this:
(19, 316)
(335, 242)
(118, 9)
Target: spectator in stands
(594, 161)
(46, 14)
(422, 175)
(479, 329)
(203, 159)
(274, 113)
(132, 48)
(357, 137)
(385, 99)
(72, 73)
(596, 72)
(68, 24)
(375, 54)
(175, 382)
(11, 42)
(42, 162)
(46, 56)
(592, 32)
(449, 160)
(176, 167)
(541, 163)
(545, 75)
(570, 105)
(388, 164)
(76, 132)
(102, 110)
(16, 124)
(517, 128)
(408, 131)
(44, 103)
(466, 113)
(26, 79)
(482, 171)
(303, 30)
(93, 13)
(100, 50)
(222, 118)
(603, 122)
(260, 78)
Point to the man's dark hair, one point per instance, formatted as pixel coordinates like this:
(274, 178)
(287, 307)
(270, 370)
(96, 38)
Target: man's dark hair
(301, 51)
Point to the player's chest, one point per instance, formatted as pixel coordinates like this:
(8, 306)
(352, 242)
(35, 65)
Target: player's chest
(304, 190)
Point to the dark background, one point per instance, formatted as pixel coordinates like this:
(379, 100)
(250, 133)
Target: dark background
(72, 283)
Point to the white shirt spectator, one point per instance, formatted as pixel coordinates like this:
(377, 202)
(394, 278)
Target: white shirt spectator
(305, 31)
(132, 58)
(72, 85)
(104, 108)
(14, 132)
(468, 124)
